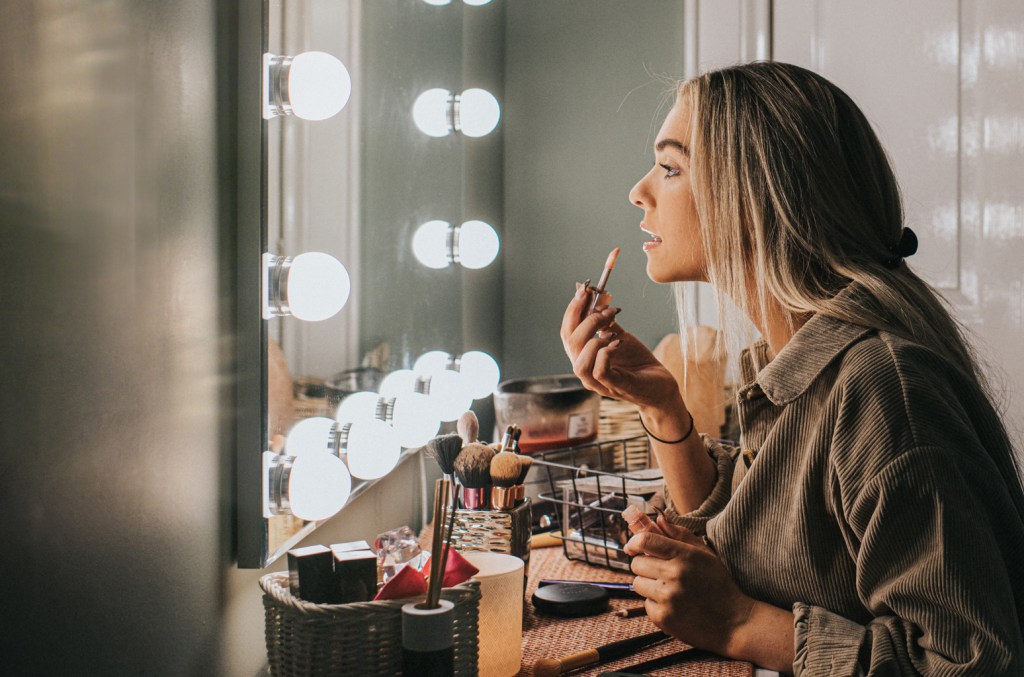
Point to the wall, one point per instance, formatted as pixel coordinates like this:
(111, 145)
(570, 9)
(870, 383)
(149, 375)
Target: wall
(117, 218)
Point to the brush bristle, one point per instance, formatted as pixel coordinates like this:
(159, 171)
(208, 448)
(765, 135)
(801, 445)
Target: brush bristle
(444, 449)
(473, 466)
(468, 427)
(505, 469)
(525, 463)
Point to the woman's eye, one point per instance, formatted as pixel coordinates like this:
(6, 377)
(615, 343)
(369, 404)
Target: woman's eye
(669, 171)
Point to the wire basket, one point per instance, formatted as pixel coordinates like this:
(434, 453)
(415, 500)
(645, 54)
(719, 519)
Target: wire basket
(591, 484)
(363, 638)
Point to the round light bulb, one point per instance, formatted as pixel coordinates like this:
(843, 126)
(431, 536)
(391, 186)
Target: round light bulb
(319, 85)
(415, 419)
(430, 112)
(432, 363)
(438, 3)
(309, 436)
(318, 486)
(449, 395)
(480, 373)
(318, 286)
(479, 112)
(430, 244)
(358, 407)
(476, 3)
(373, 449)
(398, 382)
(478, 244)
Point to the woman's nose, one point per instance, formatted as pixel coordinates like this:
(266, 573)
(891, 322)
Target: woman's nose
(637, 194)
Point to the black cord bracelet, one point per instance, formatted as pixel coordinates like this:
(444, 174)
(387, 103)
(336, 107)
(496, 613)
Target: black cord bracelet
(658, 439)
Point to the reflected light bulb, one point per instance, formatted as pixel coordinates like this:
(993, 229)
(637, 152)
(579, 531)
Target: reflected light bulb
(310, 435)
(415, 419)
(432, 363)
(478, 112)
(476, 3)
(318, 486)
(438, 3)
(449, 395)
(398, 382)
(373, 449)
(479, 372)
(430, 244)
(432, 112)
(358, 407)
(478, 244)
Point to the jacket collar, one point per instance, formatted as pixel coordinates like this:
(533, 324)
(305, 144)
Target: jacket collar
(813, 347)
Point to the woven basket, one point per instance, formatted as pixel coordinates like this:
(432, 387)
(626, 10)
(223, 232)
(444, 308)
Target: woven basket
(364, 638)
(621, 421)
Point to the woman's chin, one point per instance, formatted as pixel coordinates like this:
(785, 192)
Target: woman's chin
(664, 275)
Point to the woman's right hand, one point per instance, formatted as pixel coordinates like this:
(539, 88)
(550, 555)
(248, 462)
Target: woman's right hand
(615, 363)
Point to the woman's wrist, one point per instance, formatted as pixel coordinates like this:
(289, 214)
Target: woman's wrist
(764, 636)
(666, 424)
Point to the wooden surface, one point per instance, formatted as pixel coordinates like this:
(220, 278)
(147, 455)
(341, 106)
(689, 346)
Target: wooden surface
(552, 637)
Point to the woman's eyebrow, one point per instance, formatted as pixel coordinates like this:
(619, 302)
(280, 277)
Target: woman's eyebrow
(678, 145)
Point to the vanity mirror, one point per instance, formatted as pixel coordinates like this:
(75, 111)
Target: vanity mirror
(419, 168)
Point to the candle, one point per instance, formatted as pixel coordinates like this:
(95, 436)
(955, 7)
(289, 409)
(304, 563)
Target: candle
(501, 612)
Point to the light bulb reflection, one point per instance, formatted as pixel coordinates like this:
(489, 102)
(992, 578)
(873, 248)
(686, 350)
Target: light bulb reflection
(474, 244)
(372, 448)
(477, 112)
(448, 394)
(480, 373)
(316, 485)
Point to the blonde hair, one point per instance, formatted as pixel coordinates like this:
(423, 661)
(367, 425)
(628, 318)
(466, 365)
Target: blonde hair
(797, 199)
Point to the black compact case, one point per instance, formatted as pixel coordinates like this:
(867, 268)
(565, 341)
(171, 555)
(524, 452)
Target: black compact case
(570, 599)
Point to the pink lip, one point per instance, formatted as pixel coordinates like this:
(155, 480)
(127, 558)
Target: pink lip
(653, 242)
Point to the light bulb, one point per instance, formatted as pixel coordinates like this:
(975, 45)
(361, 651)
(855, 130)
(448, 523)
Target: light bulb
(477, 244)
(449, 395)
(415, 419)
(311, 85)
(432, 112)
(479, 372)
(372, 448)
(476, 3)
(312, 286)
(398, 382)
(361, 406)
(318, 486)
(430, 244)
(311, 435)
(432, 363)
(439, 3)
(477, 112)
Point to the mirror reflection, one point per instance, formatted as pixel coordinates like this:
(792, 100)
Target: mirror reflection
(438, 177)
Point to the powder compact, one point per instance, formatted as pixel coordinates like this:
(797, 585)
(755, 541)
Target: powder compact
(570, 599)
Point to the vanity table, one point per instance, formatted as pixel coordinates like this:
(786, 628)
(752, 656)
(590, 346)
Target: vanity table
(551, 637)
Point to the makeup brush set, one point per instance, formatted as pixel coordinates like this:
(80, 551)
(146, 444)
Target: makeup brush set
(493, 512)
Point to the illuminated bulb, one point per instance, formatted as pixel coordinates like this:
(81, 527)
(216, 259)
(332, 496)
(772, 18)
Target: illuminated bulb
(372, 448)
(311, 85)
(477, 112)
(415, 419)
(431, 245)
(312, 286)
(432, 112)
(449, 395)
(476, 245)
(311, 435)
(438, 3)
(432, 363)
(361, 406)
(476, 3)
(318, 486)
(479, 372)
(398, 382)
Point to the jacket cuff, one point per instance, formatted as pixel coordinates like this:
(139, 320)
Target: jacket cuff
(825, 643)
(696, 520)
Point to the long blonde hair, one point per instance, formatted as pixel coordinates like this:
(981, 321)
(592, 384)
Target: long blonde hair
(795, 193)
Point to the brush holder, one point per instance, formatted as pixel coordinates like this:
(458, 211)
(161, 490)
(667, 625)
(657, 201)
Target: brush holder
(504, 531)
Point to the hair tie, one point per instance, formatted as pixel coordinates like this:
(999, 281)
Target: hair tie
(907, 246)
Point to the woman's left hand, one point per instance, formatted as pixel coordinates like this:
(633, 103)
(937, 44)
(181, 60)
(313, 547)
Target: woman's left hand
(689, 592)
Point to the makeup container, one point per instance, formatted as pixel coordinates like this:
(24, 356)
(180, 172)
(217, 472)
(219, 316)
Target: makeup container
(355, 575)
(501, 612)
(311, 574)
(570, 600)
(500, 531)
(428, 643)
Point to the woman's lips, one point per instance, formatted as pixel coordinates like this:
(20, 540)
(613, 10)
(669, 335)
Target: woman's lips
(653, 242)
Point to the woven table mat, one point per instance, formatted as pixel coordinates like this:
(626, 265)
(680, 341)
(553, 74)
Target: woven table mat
(552, 637)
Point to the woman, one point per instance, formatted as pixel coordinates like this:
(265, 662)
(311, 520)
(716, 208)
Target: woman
(871, 522)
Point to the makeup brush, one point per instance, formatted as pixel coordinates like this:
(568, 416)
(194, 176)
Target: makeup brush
(551, 667)
(602, 283)
(506, 439)
(505, 468)
(441, 489)
(444, 449)
(515, 440)
(468, 427)
(519, 490)
(473, 470)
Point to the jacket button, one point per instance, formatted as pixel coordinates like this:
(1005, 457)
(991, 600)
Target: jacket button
(753, 393)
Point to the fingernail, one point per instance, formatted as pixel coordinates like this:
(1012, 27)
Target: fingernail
(611, 312)
(615, 343)
(580, 290)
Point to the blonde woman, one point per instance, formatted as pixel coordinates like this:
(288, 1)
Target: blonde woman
(871, 521)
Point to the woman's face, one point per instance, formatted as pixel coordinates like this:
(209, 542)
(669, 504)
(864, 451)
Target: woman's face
(674, 252)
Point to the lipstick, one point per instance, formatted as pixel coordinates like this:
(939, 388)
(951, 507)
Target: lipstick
(600, 296)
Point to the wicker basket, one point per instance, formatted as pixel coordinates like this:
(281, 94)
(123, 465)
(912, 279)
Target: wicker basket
(364, 638)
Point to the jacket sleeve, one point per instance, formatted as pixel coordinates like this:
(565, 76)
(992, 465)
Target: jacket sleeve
(696, 521)
(930, 571)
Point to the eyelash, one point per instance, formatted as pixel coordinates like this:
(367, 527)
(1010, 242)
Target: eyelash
(670, 171)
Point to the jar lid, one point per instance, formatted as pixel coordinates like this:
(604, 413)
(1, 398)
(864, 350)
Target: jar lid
(570, 599)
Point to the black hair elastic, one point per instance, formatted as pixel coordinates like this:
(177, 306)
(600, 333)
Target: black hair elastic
(658, 439)
(907, 246)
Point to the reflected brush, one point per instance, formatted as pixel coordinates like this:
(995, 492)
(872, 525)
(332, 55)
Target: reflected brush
(602, 283)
